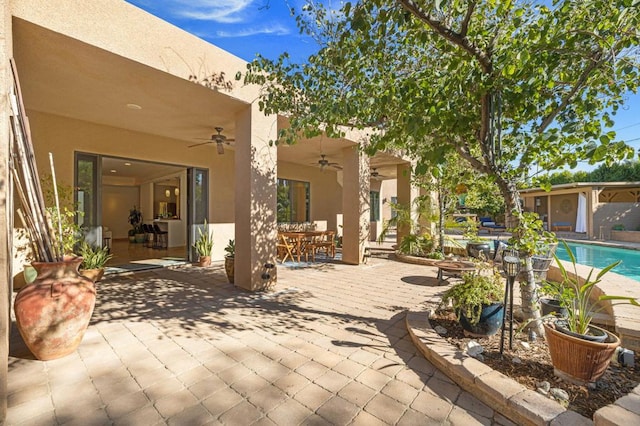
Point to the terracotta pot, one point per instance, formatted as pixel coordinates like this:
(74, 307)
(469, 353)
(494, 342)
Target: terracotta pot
(53, 312)
(204, 261)
(94, 275)
(229, 267)
(577, 360)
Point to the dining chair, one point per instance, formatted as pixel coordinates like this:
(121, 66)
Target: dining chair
(161, 237)
(285, 249)
(149, 235)
(325, 242)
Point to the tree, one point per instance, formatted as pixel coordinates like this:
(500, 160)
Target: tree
(618, 172)
(504, 84)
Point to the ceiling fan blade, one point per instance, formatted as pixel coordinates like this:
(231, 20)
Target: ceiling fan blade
(202, 143)
(220, 148)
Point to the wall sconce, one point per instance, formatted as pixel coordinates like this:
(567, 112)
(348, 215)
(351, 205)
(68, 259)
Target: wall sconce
(537, 202)
(176, 191)
(167, 193)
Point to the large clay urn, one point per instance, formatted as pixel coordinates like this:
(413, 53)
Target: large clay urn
(53, 312)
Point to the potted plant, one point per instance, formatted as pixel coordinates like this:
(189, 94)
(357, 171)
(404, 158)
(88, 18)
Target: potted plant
(136, 233)
(230, 249)
(477, 247)
(477, 302)
(53, 312)
(94, 259)
(204, 245)
(580, 351)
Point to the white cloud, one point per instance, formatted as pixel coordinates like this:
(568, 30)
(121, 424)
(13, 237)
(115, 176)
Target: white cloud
(276, 29)
(223, 11)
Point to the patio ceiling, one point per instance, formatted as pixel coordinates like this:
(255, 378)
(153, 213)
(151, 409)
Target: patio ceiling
(63, 76)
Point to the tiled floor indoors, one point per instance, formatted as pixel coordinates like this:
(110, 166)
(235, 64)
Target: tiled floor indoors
(184, 347)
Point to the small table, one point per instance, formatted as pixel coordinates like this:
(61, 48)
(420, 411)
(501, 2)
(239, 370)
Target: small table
(453, 269)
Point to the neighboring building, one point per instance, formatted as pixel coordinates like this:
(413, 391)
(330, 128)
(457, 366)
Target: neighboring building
(105, 84)
(589, 208)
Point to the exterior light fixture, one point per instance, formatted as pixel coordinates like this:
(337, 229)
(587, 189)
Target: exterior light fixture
(167, 193)
(176, 191)
(511, 266)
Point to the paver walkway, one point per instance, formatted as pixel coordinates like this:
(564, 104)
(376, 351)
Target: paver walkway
(327, 346)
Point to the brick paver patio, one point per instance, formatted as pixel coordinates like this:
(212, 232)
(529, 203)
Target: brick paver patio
(182, 347)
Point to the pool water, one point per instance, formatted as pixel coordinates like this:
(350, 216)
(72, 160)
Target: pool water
(600, 257)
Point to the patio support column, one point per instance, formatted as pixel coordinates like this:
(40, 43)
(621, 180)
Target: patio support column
(406, 194)
(591, 205)
(355, 205)
(6, 211)
(255, 199)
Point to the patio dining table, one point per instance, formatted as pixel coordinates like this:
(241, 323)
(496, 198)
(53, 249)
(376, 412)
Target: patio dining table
(300, 240)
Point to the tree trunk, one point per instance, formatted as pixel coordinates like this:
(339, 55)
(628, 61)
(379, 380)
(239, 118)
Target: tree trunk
(528, 287)
(441, 213)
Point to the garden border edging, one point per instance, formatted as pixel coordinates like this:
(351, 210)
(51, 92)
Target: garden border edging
(503, 394)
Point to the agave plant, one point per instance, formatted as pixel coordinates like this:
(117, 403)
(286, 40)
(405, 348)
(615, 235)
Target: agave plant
(204, 243)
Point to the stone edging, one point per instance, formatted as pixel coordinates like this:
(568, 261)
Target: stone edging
(415, 260)
(514, 401)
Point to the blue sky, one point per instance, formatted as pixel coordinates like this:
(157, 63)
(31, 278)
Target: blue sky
(247, 27)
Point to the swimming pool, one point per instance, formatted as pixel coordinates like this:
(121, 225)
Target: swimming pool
(600, 256)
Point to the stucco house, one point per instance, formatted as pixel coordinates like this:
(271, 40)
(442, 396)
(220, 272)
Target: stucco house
(589, 208)
(120, 99)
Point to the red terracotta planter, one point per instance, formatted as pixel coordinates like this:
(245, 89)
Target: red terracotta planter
(577, 360)
(53, 312)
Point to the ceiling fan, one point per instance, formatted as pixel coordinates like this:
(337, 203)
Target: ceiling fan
(219, 140)
(375, 174)
(324, 163)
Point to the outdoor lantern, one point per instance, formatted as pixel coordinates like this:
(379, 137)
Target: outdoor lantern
(176, 191)
(167, 193)
(511, 265)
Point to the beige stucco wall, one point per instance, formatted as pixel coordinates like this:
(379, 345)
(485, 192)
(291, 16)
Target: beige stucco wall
(564, 208)
(325, 190)
(138, 36)
(63, 136)
(5, 201)
(389, 189)
(609, 214)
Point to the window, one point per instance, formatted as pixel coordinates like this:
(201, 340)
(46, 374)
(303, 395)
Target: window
(394, 212)
(293, 201)
(374, 199)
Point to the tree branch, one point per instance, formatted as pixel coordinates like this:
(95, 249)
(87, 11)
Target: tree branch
(449, 34)
(579, 85)
(464, 28)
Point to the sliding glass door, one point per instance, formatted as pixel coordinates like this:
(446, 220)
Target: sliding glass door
(197, 204)
(88, 195)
